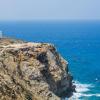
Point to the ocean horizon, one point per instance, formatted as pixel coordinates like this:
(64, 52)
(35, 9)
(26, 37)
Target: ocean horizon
(77, 41)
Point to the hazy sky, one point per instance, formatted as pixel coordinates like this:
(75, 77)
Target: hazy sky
(49, 9)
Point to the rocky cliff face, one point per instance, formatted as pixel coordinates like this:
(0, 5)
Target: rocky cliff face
(32, 71)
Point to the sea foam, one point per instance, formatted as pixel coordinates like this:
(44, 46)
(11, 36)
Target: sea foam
(81, 91)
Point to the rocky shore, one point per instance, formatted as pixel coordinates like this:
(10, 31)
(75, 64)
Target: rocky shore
(32, 71)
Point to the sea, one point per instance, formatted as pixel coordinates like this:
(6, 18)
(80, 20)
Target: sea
(77, 41)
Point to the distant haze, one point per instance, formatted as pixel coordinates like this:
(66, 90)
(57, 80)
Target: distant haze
(49, 10)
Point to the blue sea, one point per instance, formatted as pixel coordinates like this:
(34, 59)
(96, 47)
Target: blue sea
(77, 41)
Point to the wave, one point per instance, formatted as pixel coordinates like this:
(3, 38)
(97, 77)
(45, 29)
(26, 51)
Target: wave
(82, 87)
(81, 91)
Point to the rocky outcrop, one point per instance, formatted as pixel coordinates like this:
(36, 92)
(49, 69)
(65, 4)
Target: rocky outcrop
(32, 71)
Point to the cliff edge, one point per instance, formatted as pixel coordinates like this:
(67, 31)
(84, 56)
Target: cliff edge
(32, 71)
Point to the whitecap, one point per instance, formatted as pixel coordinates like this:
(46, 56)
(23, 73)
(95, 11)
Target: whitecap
(97, 94)
(81, 90)
(82, 87)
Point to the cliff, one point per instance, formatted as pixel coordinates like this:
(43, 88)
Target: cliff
(32, 71)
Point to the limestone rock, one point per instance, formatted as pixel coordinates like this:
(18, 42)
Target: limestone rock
(32, 71)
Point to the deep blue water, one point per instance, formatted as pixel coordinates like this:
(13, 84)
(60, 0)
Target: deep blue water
(77, 41)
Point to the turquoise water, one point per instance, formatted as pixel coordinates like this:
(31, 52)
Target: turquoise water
(77, 41)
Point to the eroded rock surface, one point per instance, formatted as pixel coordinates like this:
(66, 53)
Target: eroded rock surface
(32, 71)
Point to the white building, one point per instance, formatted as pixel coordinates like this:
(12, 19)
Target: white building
(1, 34)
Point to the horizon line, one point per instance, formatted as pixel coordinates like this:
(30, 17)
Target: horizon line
(57, 20)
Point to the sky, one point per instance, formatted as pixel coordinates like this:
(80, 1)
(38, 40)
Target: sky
(49, 9)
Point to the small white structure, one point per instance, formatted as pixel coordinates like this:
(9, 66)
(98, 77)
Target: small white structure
(1, 34)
